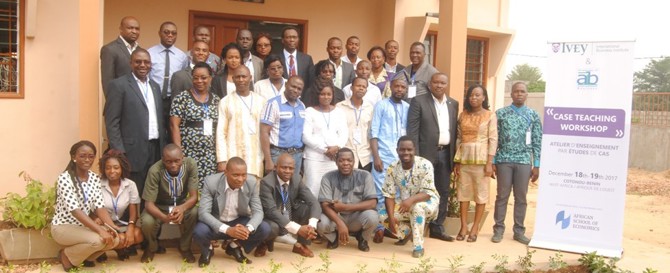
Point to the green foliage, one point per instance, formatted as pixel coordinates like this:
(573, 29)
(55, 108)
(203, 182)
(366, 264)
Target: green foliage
(655, 77)
(105, 268)
(274, 267)
(425, 265)
(453, 210)
(392, 265)
(455, 262)
(45, 267)
(150, 267)
(598, 264)
(530, 74)
(556, 262)
(325, 267)
(649, 270)
(478, 268)
(35, 210)
(211, 268)
(300, 266)
(363, 268)
(8, 269)
(184, 266)
(526, 262)
(245, 268)
(501, 266)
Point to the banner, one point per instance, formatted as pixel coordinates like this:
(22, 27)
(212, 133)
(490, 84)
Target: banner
(584, 164)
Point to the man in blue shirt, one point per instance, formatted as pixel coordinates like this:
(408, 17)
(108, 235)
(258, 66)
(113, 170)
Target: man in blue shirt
(519, 144)
(282, 121)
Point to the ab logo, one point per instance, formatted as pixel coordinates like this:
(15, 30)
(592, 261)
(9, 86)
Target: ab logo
(560, 218)
(587, 78)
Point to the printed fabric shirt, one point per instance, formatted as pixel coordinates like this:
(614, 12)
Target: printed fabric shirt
(420, 178)
(72, 195)
(157, 188)
(513, 123)
(476, 137)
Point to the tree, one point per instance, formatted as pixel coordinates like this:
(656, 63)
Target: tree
(530, 74)
(655, 77)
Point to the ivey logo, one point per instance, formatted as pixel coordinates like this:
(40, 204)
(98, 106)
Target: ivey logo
(560, 218)
(569, 48)
(587, 78)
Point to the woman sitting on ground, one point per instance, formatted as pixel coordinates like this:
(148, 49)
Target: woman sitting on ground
(78, 201)
(120, 193)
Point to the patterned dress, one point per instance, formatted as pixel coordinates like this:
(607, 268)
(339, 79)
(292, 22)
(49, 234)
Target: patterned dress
(195, 143)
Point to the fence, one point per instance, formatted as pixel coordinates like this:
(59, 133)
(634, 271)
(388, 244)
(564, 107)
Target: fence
(651, 108)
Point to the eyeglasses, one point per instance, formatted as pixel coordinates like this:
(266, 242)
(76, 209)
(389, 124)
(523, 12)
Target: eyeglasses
(168, 32)
(276, 68)
(263, 45)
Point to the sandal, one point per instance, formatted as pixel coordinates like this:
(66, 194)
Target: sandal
(460, 237)
(472, 238)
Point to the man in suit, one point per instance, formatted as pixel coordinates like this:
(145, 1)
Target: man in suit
(290, 208)
(418, 73)
(201, 33)
(392, 65)
(133, 117)
(344, 72)
(182, 79)
(295, 62)
(115, 56)
(230, 209)
(246, 41)
(431, 123)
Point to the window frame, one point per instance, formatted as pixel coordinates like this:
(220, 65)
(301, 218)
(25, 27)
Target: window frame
(20, 92)
(484, 60)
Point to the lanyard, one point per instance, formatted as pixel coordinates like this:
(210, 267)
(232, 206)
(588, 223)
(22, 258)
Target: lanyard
(324, 117)
(205, 106)
(284, 198)
(413, 76)
(245, 103)
(522, 115)
(83, 191)
(409, 178)
(274, 89)
(115, 204)
(357, 113)
(175, 184)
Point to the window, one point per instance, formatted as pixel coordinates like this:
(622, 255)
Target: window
(475, 61)
(11, 47)
(431, 44)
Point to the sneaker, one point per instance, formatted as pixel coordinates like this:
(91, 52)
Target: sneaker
(521, 239)
(497, 238)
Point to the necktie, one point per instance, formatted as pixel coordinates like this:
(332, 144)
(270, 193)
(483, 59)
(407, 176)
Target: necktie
(166, 77)
(286, 200)
(291, 67)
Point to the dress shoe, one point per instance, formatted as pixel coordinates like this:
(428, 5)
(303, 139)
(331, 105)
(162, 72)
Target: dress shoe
(237, 254)
(333, 244)
(89, 264)
(161, 250)
(302, 250)
(121, 254)
(102, 258)
(147, 256)
(131, 250)
(205, 258)
(521, 239)
(497, 238)
(441, 236)
(363, 246)
(261, 250)
(271, 245)
(379, 236)
(417, 253)
(187, 256)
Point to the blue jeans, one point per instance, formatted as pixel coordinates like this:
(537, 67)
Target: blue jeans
(203, 235)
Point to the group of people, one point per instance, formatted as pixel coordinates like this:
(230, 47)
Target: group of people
(254, 150)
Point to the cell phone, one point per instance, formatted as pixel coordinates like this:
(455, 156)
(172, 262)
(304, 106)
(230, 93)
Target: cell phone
(170, 208)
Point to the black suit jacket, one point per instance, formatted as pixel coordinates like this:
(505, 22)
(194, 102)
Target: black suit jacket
(305, 67)
(423, 128)
(299, 195)
(114, 62)
(127, 119)
(181, 80)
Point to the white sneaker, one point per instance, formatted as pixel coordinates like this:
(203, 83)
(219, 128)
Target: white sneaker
(286, 239)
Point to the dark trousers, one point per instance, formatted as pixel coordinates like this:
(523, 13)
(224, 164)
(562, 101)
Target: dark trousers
(367, 168)
(167, 104)
(203, 235)
(300, 215)
(442, 171)
(140, 176)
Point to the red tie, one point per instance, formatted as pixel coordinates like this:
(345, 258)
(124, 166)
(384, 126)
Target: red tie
(291, 67)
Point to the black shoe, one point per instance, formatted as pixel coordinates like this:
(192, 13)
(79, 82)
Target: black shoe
(161, 250)
(131, 250)
(237, 254)
(333, 244)
(205, 258)
(121, 254)
(89, 264)
(147, 256)
(441, 236)
(271, 245)
(102, 258)
(187, 256)
(363, 246)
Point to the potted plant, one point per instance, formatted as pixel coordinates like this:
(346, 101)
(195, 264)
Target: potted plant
(28, 239)
(452, 224)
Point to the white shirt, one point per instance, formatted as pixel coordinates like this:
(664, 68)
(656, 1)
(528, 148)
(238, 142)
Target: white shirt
(294, 227)
(288, 61)
(373, 95)
(390, 68)
(442, 111)
(346, 59)
(337, 80)
(266, 89)
(230, 211)
(249, 64)
(148, 95)
(130, 48)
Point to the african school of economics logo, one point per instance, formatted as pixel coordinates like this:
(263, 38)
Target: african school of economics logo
(560, 218)
(555, 47)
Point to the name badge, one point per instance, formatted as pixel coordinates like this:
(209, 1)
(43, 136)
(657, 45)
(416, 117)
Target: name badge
(411, 91)
(357, 136)
(528, 137)
(207, 125)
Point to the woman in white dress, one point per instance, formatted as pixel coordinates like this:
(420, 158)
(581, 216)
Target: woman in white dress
(274, 85)
(324, 133)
